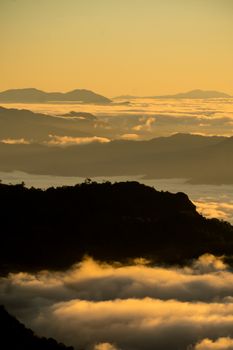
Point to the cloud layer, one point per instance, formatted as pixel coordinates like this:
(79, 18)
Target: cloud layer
(147, 118)
(11, 141)
(69, 140)
(106, 307)
(219, 344)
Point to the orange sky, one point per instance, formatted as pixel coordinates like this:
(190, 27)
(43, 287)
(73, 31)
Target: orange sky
(116, 47)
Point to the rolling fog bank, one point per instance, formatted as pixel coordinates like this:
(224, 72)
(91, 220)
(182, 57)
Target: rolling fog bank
(95, 305)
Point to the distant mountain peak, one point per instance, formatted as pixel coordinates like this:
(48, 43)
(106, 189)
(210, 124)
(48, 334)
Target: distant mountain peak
(198, 93)
(33, 95)
(192, 94)
(30, 89)
(79, 90)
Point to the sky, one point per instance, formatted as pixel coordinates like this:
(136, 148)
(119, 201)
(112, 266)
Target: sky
(114, 47)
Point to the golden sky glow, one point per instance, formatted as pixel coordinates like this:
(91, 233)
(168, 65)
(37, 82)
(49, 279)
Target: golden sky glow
(117, 46)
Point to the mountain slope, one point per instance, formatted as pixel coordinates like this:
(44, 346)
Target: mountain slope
(197, 158)
(36, 127)
(14, 336)
(32, 95)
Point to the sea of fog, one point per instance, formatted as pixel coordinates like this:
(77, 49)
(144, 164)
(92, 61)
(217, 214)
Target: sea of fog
(100, 306)
(211, 200)
(147, 118)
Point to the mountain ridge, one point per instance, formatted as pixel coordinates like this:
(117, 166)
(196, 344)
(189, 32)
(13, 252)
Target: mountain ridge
(108, 221)
(192, 94)
(198, 159)
(33, 95)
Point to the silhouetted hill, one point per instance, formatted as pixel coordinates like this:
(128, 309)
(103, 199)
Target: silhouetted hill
(216, 164)
(36, 127)
(80, 115)
(15, 336)
(193, 94)
(57, 227)
(196, 158)
(198, 94)
(193, 157)
(31, 95)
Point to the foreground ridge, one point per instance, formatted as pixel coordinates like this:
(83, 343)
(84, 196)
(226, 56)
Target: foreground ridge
(55, 228)
(14, 335)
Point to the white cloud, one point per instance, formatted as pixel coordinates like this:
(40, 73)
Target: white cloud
(129, 137)
(105, 346)
(69, 140)
(135, 323)
(213, 209)
(104, 306)
(11, 141)
(224, 343)
(146, 124)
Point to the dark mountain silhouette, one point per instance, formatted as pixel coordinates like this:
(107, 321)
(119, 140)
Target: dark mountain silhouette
(55, 228)
(37, 127)
(31, 95)
(193, 157)
(80, 115)
(196, 158)
(14, 335)
(198, 94)
(193, 94)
